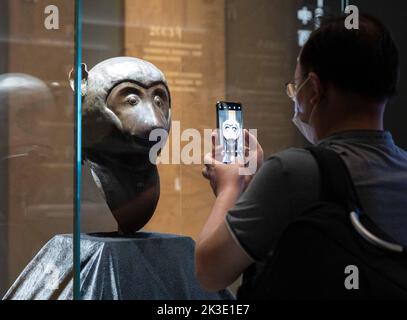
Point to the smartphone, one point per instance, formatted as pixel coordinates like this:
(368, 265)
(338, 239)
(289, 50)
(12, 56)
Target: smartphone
(229, 121)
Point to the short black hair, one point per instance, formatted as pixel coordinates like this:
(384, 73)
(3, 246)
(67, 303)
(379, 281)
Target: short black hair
(362, 61)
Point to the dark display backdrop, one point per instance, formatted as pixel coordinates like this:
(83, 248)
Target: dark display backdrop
(394, 15)
(103, 28)
(263, 40)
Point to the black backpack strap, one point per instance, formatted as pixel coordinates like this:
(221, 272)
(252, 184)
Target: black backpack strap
(336, 184)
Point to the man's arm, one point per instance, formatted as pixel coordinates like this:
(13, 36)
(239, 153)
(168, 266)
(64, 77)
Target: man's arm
(238, 232)
(219, 259)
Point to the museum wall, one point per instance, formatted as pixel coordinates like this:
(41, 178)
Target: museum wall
(186, 40)
(261, 52)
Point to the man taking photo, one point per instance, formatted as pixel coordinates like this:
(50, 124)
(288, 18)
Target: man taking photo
(342, 83)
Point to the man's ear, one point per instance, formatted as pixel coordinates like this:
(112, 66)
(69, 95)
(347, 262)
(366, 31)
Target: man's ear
(317, 88)
(84, 82)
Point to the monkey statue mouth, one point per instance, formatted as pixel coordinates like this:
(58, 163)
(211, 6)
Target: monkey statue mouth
(124, 143)
(144, 140)
(133, 144)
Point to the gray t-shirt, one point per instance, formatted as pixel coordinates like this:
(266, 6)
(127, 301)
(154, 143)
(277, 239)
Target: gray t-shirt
(288, 182)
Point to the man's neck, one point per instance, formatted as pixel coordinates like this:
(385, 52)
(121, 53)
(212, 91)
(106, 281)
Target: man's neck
(349, 126)
(344, 116)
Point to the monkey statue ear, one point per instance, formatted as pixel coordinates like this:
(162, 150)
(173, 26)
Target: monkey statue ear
(84, 82)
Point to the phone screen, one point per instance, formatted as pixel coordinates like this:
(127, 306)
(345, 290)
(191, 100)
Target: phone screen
(230, 126)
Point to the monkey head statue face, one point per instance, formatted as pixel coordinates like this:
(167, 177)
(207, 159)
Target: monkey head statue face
(124, 100)
(140, 109)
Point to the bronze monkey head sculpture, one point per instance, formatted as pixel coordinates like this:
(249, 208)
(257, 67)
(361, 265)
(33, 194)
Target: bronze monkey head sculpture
(125, 99)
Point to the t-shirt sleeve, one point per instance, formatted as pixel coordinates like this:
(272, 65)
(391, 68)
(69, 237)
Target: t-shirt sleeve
(280, 190)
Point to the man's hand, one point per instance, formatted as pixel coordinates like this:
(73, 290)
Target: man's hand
(223, 177)
(219, 259)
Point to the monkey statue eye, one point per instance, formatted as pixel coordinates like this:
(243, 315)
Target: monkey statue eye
(133, 100)
(158, 101)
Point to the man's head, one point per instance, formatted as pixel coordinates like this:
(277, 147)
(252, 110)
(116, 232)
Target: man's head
(346, 75)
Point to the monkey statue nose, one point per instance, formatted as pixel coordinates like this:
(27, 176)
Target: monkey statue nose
(151, 120)
(146, 128)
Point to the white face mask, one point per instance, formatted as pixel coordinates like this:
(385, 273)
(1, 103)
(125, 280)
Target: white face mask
(307, 131)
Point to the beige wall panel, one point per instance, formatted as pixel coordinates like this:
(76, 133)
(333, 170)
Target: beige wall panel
(184, 38)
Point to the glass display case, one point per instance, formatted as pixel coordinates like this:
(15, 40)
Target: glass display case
(37, 143)
(207, 51)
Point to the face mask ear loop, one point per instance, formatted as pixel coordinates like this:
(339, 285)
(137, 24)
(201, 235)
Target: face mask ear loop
(314, 107)
(317, 105)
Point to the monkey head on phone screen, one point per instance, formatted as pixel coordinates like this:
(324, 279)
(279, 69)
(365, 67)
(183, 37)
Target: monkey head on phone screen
(231, 133)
